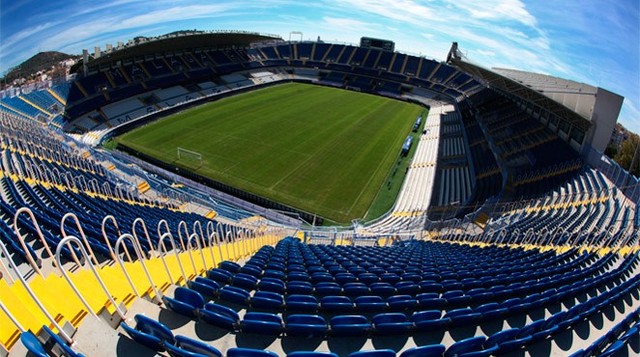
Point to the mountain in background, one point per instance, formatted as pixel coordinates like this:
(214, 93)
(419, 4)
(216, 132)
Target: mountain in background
(42, 61)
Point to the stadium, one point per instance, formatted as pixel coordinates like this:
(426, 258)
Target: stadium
(236, 194)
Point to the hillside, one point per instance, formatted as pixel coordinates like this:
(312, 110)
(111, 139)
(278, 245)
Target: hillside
(41, 61)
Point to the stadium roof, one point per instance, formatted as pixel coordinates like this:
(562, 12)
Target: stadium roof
(505, 84)
(172, 42)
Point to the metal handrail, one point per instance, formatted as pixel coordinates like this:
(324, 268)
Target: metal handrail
(72, 239)
(106, 239)
(234, 234)
(220, 238)
(8, 274)
(183, 225)
(162, 248)
(197, 224)
(107, 189)
(33, 263)
(211, 238)
(81, 180)
(53, 321)
(29, 170)
(56, 176)
(253, 245)
(84, 237)
(163, 222)
(230, 240)
(529, 236)
(146, 232)
(136, 247)
(71, 184)
(240, 239)
(199, 245)
(12, 318)
(94, 186)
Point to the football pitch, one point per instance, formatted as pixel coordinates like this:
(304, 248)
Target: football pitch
(322, 150)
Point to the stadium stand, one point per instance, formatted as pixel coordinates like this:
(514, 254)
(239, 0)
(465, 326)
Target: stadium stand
(540, 256)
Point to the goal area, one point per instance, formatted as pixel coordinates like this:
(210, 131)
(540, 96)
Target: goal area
(189, 157)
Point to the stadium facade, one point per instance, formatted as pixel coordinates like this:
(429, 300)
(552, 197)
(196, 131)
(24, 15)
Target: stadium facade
(511, 234)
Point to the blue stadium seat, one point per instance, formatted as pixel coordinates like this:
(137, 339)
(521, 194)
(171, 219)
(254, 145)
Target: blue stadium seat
(336, 304)
(220, 316)
(382, 289)
(401, 302)
(249, 352)
(370, 303)
(298, 276)
(328, 288)
(429, 301)
(311, 354)
(306, 325)
(235, 295)
(390, 278)
(262, 323)
(252, 270)
(391, 323)
(231, 267)
(318, 277)
(507, 340)
(373, 353)
(429, 320)
(274, 273)
(368, 278)
(206, 287)
(472, 344)
(491, 311)
(355, 289)
(343, 278)
(301, 303)
(186, 302)
(425, 351)
(245, 281)
(407, 288)
(430, 287)
(267, 300)
(36, 348)
(33, 345)
(349, 325)
(149, 332)
(299, 288)
(219, 275)
(187, 347)
(463, 317)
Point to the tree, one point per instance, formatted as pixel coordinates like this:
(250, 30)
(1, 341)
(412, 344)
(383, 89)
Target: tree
(626, 153)
(611, 151)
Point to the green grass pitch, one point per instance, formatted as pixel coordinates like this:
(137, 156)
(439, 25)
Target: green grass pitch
(322, 150)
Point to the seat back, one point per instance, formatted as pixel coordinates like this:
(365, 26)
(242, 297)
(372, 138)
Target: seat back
(33, 345)
(424, 351)
(189, 296)
(196, 346)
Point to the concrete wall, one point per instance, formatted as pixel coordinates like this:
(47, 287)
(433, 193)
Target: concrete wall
(604, 117)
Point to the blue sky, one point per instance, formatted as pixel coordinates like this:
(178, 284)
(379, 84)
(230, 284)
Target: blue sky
(595, 42)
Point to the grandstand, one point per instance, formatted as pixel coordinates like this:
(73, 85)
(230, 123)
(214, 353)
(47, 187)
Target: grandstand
(509, 235)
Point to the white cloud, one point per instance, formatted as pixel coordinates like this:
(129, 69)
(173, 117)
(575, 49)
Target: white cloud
(81, 32)
(407, 11)
(497, 10)
(20, 36)
(630, 115)
(346, 24)
(486, 53)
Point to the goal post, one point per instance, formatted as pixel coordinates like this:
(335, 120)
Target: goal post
(189, 156)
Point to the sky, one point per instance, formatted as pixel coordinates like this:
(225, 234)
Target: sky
(595, 42)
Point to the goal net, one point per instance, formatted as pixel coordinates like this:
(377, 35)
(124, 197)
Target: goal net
(189, 157)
